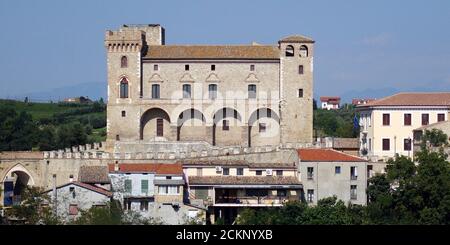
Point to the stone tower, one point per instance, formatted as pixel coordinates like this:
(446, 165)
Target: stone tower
(296, 89)
(125, 48)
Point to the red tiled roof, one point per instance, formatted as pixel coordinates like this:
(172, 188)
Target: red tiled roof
(413, 99)
(158, 168)
(326, 155)
(330, 99)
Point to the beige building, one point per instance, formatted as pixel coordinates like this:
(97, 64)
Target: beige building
(387, 124)
(226, 187)
(225, 95)
(326, 173)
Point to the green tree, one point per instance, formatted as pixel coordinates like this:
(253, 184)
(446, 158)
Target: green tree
(47, 139)
(436, 137)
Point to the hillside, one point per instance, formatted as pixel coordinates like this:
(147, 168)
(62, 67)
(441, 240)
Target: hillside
(50, 126)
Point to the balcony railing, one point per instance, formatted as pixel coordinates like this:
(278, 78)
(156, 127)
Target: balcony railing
(267, 200)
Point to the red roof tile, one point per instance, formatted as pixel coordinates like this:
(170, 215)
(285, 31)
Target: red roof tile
(413, 99)
(326, 155)
(86, 186)
(158, 168)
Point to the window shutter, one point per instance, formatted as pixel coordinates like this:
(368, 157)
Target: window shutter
(144, 186)
(128, 186)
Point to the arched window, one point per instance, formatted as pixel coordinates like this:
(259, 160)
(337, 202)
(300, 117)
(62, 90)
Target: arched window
(124, 88)
(124, 62)
(289, 50)
(303, 51)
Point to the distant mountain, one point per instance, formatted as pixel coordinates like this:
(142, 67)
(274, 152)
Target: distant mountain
(94, 91)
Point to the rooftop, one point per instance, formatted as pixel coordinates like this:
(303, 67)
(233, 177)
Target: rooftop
(86, 186)
(325, 155)
(413, 99)
(186, 52)
(297, 39)
(243, 180)
(243, 163)
(157, 168)
(93, 174)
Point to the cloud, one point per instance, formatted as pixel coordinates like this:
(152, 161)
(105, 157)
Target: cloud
(377, 40)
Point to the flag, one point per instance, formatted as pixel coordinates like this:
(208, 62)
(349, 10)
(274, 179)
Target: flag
(355, 122)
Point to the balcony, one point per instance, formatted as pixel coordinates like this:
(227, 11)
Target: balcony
(262, 199)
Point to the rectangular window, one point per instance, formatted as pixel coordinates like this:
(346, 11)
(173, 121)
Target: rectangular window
(370, 144)
(199, 171)
(353, 173)
(300, 69)
(252, 91)
(212, 91)
(406, 144)
(226, 171)
(310, 196)
(117, 137)
(213, 67)
(225, 125)
(128, 186)
(186, 91)
(300, 93)
(441, 117)
(155, 91)
(281, 193)
(73, 209)
(407, 119)
(239, 171)
(386, 145)
(186, 67)
(155, 67)
(159, 127)
(337, 170)
(124, 113)
(310, 173)
(262, 127)
(252, 67)
(279, 172)
(168, 189)
(353, 192)
(144, 205)
(425, 119)
(258, 172)
(144, 186)
(386, 120)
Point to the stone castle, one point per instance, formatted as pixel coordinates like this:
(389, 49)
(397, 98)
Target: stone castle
(243, 95)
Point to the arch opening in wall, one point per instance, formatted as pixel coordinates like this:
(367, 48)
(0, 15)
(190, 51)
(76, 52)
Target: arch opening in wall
(230, 132)
(264, 124)
(124, 62)
(14, 183)
(289, 51)
(123, 89)
(191, 125)
(155, 123)
(303, 51)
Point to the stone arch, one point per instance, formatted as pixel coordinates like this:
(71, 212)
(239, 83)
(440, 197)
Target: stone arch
(231, 133)
(14, 181)
(155, 124)
(271, 121)
(303, 51)
(289, 52)
(191, 125)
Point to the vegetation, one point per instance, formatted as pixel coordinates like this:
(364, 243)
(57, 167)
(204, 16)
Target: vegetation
(406, 194)
(335, 123)
(50, 126)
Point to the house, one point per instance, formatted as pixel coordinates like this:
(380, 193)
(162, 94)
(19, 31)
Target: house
(326, 173)
(387, 124)
(357, 102)
(154, 190)
(94, 175)
(81, 100)
(70, 198)
(345, 145)
(330, 102)
(226, 187)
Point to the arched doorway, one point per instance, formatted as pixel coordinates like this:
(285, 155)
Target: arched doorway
(263, 128)
(155, 125)
(14, 183)
(227, 127)
(191, 126)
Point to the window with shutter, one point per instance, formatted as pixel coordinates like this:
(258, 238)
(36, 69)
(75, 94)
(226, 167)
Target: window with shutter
(144, 186)
(128, 186)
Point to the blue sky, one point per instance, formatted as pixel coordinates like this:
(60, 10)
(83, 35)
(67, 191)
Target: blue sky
(360, 45)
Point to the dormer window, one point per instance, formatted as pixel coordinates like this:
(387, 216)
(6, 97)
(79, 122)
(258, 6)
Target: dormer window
(289, 51)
